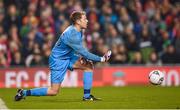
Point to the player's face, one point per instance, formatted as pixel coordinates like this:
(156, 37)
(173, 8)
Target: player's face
(83, 22)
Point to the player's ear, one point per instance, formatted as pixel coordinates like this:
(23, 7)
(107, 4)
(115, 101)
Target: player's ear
(78, 21)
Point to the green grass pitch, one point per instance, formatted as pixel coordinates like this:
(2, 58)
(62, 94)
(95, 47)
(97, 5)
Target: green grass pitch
(137, 97)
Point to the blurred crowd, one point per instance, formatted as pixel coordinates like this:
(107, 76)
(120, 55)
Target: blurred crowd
(143, 32)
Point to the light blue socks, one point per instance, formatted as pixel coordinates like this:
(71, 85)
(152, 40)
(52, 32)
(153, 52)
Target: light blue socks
(87, 80)
(36, 92)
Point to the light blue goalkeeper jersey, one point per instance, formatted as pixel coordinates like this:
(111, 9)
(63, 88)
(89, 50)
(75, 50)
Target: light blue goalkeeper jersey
(68, 44)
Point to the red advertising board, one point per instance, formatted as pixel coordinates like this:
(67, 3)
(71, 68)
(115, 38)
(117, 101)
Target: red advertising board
(106, 76)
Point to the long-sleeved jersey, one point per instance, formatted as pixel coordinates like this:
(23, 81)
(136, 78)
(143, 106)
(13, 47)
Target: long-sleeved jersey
(70, 43)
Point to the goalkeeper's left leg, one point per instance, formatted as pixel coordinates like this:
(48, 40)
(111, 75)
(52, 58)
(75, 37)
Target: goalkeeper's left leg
(87, 67)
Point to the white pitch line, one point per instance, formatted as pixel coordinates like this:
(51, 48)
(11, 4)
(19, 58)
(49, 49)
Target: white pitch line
(2, 105)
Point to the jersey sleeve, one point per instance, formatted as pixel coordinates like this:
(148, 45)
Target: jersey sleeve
(75, 42)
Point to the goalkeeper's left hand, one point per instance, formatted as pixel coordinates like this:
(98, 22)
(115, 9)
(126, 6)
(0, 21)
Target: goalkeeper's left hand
(106, 56)
(84, 61)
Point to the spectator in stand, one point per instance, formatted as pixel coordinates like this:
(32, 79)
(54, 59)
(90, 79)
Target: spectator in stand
(145, 38)
(37, 60)
(4, 56)
(17, 59)
(113, 37)
(2, 16)
(154, 59)
(119, 54)
(92, 7)
(12, 17)
(177, 44)
(100, 43)
(138, 58)
(14, 35)
(107, 16)
(132, 44)
(46, 52)
(46, 21)
(124, 20)
(3, 59)
(170, 56)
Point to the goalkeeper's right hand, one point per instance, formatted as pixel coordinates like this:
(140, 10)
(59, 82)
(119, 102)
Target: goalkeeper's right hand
(106, 56)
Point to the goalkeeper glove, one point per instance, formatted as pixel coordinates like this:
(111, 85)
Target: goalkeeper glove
(106, 56)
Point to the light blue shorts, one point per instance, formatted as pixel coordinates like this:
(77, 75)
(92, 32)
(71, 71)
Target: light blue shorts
(59, 68)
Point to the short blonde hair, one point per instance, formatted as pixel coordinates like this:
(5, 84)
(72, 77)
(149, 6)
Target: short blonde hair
(76, 15)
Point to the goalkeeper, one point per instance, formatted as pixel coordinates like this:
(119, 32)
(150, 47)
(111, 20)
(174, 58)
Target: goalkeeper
(69, 53)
